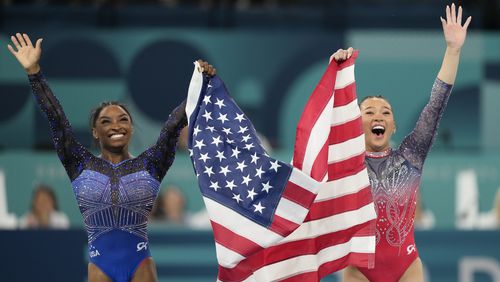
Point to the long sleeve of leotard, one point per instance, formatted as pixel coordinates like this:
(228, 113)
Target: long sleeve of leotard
(70, 152)
(161, 155)
(418, 143)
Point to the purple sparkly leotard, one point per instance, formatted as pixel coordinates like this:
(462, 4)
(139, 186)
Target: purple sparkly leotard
(115, 199)
(395, 179)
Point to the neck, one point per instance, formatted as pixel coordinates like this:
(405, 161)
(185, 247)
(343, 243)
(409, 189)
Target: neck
(115, 157)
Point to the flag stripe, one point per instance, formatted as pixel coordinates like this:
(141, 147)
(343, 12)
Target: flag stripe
(291, 211)
(344, 186)
(343, 132)
(283, 226)
(298, 195)
(300, 249)
(345, 95)
(340, 205)
(345, 113)
(346, 150)
(347, 167)
(240, 225)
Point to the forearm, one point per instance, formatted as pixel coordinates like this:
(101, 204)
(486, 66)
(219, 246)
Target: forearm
(449, 67)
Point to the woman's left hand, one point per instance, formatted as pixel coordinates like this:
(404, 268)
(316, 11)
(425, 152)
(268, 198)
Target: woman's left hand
(454, 31)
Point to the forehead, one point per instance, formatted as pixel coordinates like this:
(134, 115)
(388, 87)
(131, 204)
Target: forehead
(112, 110)
(375, 103)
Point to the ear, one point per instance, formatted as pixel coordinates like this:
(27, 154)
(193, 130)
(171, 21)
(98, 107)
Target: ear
(94, 133)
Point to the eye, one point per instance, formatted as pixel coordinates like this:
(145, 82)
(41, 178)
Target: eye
(104, 121)
(368, 113)
(387, 113)
(124, 119)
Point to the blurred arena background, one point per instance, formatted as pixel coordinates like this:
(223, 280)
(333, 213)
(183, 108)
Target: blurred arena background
(270, 53)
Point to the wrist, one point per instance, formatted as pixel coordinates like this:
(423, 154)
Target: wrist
(453, 50)
(33, 69)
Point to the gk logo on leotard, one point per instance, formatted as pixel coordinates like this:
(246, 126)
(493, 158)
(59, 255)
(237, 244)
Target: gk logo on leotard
(94, 253)
(410, 249)
(142, 246)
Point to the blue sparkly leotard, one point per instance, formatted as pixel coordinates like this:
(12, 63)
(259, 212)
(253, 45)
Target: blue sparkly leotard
(395, 180)
(115, 199)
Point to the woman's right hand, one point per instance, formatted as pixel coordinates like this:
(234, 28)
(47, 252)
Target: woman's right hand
(207, 68)
(27, 54)
(341, 55)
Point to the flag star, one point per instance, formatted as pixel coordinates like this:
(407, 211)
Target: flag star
(204, 157)
(207, 115)
(251, 194)
(240, 117)
(229, 141)
(199, 144)
(259, 172)
(222, 118)
(227, 130)
(196, 130)
(220, 103)
(206, 99)
(266, 187)
(258, 208)
(220, 155)
(211, 128)
(246, 180)
(237, 198)
(190, 152)
(243, 129)
(208, 170)
(249, 146)
(209, 85)
(236, 152)
(275, 165)
(224, 170)
(216, 141)
(246, 138)
(254, 158)
(214, 185)
(230, 184)
(241, 166)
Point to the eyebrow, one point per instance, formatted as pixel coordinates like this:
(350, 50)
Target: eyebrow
(106, 117)
(372, 107)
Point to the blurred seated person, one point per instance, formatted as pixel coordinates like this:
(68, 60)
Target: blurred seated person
(170, 207)
(44, 212)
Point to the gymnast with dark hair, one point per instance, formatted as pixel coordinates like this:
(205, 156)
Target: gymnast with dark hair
(395, 173)
(115, 191)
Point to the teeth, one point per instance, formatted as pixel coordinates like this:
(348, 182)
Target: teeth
(116, 136)
(379, 127)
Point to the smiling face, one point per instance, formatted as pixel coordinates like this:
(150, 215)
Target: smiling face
(378, 123)
(113, 129)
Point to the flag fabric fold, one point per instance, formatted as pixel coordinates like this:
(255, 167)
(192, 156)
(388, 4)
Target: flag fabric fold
(286, 232)
(253, 199)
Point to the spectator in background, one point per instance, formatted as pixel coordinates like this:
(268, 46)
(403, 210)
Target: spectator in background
(170, 207)
(44, 212)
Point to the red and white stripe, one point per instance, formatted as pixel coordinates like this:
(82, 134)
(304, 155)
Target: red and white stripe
(237, 237)
(339, 227)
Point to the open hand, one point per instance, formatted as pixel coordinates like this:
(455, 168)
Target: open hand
(454, 31)
(27, 54)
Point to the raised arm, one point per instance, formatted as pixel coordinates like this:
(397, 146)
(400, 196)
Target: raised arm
(417, 144)
(70, 152)
(161, 155)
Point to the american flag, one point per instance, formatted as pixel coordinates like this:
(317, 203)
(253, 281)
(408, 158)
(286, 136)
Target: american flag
(268, 223)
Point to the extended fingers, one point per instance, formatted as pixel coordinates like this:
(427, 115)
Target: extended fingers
(16, 43)
(453, 13)
(448, 14)
(27, 39)
(467, 22)
(20, 39)
(459, 16)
